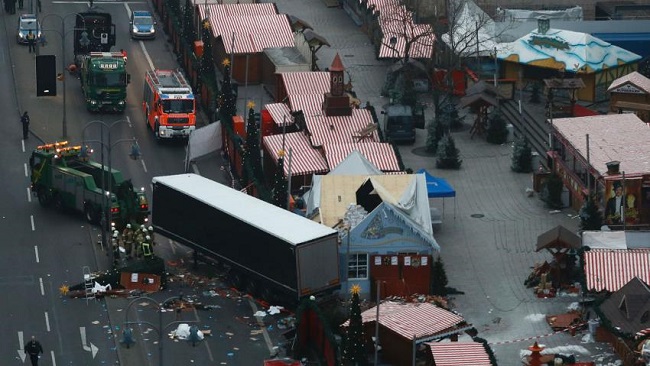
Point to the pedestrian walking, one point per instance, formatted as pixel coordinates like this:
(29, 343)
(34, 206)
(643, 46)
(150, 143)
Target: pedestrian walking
(12, 6)
(25, 122)
(20, 4)
(34, 349)
(31, 41)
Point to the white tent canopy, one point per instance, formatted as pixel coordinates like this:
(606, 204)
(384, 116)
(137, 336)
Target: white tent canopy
(464, 24)
(203, 142)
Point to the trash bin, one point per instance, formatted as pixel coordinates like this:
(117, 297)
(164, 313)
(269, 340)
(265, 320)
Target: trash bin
(593, 326)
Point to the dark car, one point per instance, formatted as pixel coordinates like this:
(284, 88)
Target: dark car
(26, 23)
(142, 25)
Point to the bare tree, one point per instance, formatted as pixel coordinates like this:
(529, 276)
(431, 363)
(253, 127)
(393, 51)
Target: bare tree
(402, 37)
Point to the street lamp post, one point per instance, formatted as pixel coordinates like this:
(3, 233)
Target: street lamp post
(160, 328)
(107, 186)
(63, 34)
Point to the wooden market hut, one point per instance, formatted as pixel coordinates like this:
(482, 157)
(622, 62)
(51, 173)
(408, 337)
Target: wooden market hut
(479, 98)
(547, 53)
(631, 92)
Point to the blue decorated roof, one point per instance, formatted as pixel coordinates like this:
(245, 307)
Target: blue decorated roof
(578, 52)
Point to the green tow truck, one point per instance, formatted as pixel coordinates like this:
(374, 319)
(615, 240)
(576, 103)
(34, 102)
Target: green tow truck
(103, 81)
(63, 178)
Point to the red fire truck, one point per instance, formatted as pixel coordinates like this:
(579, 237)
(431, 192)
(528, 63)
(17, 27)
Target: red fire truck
(168, 104)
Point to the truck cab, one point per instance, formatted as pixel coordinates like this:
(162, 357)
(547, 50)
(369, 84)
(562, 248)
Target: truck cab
(398, 125)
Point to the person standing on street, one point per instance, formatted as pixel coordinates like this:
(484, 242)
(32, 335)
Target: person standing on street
(25, 122)
(31, 41)
(34, 349)
(20, 4)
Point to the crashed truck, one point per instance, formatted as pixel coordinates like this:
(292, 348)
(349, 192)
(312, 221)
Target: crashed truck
(270, 252)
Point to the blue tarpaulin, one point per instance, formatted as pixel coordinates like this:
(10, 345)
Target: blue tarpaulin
(438, 188)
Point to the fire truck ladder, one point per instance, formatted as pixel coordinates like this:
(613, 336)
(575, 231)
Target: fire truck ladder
(88, 284)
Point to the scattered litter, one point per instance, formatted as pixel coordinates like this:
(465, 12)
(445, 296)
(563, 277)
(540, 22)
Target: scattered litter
(183, 332)
(95, 322)
(554, 212)
(260, 313)
(275, 310)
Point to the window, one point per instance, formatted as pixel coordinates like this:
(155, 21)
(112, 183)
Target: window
(178, 105)
(358, 266)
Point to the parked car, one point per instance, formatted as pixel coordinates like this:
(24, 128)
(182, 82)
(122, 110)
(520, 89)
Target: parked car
(142, 25)
(26, 23)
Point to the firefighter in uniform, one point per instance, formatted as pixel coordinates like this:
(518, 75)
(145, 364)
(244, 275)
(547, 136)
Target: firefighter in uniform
(127, 239)
(115, 240)
(153, 237)
(147, 250)
(139, 238)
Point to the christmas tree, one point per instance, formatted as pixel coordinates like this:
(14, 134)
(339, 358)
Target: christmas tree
(590, 216)
(452, 118)
(189, 34)
(280, 184)
(207, 61)
(435, 131)
(227, 102)
(552, 191)
(354, 352)
(522, 156)
(497, 131)
(253, 143)
(439, 280)
(448, 154)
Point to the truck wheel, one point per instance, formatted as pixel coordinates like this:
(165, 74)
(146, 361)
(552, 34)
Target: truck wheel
(58, 202)
(43, 197)
(156, 131)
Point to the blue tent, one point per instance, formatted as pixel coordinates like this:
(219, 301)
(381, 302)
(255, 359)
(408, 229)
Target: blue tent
(438, 188)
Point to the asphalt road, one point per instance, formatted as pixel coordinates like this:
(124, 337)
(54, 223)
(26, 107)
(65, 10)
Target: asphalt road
(44, 249)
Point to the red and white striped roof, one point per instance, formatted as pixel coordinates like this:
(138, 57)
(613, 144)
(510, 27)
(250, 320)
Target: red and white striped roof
(609, 270)
(306, 82)
(280, 113)
(381, 5)
(398, 23)
(308, 103)
(338, 129)
(459, 354)
(380, 154)
(305, 160)
(235, 10)
(413, 320)
(249, 27)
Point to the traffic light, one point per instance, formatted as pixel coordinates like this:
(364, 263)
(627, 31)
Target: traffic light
(45, 75)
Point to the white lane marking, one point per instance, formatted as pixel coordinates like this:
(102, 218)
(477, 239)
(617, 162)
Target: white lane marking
(21, 346)
(36, 252)
(92, 348)
(40, 280)
(144, 166)
(146, 55)
(47, 322)
(128, 9)
(53, 359)
(128, 120)
(22, 143)
(31, 219)
(29, 194)
(26, 170)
